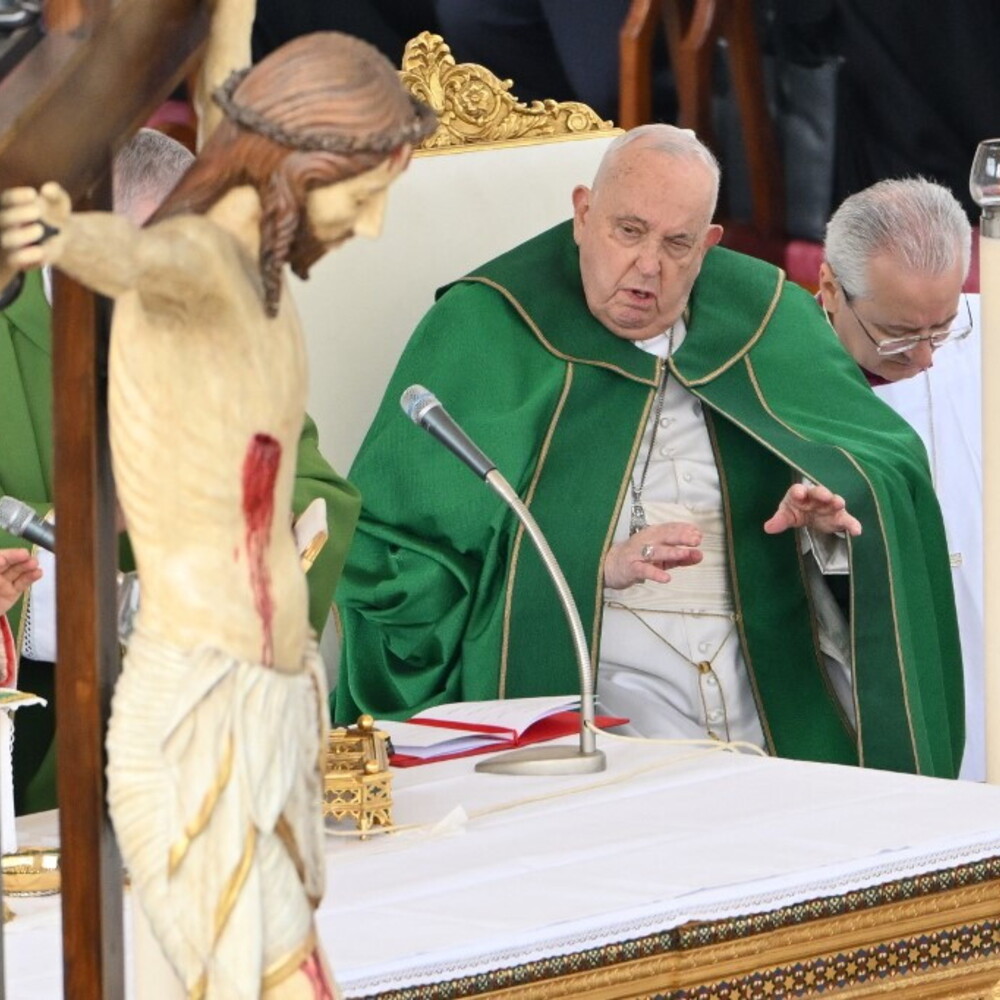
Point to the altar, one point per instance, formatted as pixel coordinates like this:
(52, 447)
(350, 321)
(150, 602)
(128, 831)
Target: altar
(679, 873)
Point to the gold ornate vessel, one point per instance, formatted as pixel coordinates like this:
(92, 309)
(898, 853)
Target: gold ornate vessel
(357, 783)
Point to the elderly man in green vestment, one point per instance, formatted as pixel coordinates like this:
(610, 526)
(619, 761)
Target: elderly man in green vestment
(751, 537)
(145, 171)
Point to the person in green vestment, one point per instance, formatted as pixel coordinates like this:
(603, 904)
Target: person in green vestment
(146, 169)
(751, 537)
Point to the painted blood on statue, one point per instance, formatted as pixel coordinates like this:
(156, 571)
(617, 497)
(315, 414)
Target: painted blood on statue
(260, 471)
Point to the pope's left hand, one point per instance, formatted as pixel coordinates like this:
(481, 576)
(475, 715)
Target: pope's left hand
(813, 507)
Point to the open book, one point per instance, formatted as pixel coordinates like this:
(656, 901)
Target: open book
(463, 728)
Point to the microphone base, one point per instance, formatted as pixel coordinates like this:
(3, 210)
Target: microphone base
(545, 760)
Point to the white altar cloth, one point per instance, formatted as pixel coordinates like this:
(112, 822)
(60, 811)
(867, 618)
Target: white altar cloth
(491, 871)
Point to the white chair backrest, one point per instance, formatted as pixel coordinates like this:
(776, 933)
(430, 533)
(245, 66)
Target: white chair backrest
(449, 212)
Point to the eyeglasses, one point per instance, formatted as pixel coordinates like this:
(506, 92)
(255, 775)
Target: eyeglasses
(889, 345)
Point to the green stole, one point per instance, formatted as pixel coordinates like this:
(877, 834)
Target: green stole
(783, 401)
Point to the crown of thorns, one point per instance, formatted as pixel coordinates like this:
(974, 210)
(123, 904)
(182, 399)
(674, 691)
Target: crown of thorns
(422, 124)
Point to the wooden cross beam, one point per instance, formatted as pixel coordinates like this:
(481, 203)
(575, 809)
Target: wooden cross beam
(68, 104)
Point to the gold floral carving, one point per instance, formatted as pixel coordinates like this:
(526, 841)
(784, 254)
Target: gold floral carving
(474, 107)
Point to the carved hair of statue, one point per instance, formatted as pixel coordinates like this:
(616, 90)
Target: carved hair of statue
(320, 109)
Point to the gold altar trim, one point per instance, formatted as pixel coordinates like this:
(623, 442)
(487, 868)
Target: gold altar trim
(475, 108)
(924, 945)
(31, 871)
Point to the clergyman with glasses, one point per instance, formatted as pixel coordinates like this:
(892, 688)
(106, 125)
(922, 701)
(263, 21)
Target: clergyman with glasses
(896, 259)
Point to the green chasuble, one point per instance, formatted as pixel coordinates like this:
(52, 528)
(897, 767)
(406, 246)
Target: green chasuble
(26, 473)
(444, 600)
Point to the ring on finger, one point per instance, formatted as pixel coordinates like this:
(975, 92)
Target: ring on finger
(647, 553)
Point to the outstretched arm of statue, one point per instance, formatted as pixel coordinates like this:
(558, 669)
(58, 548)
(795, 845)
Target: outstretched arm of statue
(104, 251)
(39, 228)
(228, 49)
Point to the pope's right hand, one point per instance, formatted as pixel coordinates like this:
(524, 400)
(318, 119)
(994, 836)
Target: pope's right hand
(649, 553)
(30, 224)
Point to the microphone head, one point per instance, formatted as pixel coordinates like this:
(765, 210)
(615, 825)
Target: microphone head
(14, 515)
(416, 401)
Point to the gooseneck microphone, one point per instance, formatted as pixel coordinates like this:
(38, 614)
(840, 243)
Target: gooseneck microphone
(425, 410)
(21, 520)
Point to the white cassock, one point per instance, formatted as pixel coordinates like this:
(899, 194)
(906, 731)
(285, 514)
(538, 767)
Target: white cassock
(670, 658)
(943, 406)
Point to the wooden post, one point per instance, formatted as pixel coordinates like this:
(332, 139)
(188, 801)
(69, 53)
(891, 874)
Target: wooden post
(88, 651)
(635, 43)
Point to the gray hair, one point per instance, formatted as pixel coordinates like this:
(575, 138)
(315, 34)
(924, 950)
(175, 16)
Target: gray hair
(916, 221)
(679, 142)
(147, 168)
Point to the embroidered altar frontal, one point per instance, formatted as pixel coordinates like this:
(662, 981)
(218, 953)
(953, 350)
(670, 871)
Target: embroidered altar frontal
(680, 874)
(862, 944)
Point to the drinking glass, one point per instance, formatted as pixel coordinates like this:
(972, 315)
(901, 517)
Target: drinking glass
(984, 178)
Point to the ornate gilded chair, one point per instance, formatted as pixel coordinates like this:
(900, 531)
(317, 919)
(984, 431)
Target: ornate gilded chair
(494, 173)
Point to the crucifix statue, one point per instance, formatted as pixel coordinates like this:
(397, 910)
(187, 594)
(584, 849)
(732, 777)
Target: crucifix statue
(218, 722)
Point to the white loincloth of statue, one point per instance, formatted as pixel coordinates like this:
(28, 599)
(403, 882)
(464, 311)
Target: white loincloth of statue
(213, 785)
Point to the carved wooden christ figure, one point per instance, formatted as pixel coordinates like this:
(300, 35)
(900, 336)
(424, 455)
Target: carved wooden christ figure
(219, 717)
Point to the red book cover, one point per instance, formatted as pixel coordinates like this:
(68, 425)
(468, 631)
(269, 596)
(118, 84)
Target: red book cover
(461, 729)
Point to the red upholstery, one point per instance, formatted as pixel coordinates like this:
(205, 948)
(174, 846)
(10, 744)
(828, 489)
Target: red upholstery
(802, 261)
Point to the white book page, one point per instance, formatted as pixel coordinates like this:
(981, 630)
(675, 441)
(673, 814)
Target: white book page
(511, 713)
(432, 741)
